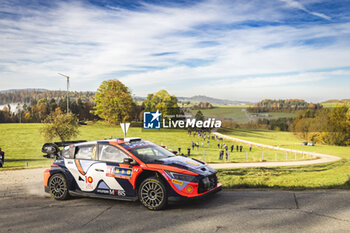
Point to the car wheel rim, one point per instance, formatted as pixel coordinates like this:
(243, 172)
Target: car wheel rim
(152, 194)
(57, 187)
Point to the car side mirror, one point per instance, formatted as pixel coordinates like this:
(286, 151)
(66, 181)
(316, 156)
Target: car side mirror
(129, 161)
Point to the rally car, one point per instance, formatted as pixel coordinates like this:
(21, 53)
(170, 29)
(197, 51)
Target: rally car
(128, 169)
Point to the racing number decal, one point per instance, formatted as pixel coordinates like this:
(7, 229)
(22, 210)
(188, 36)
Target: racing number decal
(89, 180)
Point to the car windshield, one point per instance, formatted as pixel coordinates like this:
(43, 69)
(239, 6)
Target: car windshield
(151, 153)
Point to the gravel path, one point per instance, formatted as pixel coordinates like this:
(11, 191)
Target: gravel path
(22, 183)
(321, 158)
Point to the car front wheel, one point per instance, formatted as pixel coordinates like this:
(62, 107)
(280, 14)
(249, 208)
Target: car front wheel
(58, 187)
(153, 194)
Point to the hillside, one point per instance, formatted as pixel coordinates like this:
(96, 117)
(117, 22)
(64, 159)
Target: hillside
(202, 98)
(335, 101)
(28, 95)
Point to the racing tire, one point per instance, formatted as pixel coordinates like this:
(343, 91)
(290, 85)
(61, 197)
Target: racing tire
(58, 187)
(153, 194)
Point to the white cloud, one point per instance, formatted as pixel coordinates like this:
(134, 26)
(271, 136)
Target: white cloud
(92, 44)
(298, 5)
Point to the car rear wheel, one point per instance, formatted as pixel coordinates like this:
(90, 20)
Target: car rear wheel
(153, 194)
(58, 187)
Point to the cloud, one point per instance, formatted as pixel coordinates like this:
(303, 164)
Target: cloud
(298, 5)
(180, 48)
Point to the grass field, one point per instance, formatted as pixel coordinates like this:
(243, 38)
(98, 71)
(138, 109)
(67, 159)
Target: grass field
(333, 175)
(22, 144)
(237, 114)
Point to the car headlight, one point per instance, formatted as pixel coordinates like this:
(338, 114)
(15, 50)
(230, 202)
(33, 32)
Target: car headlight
(180, 176)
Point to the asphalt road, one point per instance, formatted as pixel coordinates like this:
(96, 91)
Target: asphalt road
(227, 211)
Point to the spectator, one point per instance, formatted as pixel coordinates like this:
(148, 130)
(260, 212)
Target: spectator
(218, 146)
(188, 151)
(221, 154)
(2, 158)
(202, 144)
(250, 148)
(208, 143)
(226, 155)
(179, 150)
(192, 145)
(237, 148)
(240, 148)
(232, 146)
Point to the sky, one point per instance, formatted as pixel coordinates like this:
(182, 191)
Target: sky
(235, 49)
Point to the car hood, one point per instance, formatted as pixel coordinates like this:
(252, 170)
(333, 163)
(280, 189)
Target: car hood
(188, 164)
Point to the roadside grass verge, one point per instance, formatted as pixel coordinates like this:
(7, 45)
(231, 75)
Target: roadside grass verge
(334, 175)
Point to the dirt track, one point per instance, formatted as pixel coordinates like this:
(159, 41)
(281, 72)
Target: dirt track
(321, 158)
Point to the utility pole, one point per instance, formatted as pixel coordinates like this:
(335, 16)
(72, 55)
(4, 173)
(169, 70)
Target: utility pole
(66, 76)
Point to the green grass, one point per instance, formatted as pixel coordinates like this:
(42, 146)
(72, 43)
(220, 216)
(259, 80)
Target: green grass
(22, 144)
(331, 175)
(237, 114)
(226, 113)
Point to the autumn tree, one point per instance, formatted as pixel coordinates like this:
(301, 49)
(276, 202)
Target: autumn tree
(60, 125)
(113, 102)
(162, 101)
(338, 128)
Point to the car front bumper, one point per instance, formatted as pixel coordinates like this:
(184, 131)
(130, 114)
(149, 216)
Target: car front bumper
(199, 196)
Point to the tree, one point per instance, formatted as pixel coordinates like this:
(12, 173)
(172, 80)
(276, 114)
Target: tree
(199, 116)
(338, 127)
(113, 102)
(59, 125)
(162, 101)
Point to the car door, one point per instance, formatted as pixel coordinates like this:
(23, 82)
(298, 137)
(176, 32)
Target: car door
(80, 164)
(117, 173)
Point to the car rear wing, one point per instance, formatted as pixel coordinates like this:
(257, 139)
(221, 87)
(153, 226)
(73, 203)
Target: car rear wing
(52, 149)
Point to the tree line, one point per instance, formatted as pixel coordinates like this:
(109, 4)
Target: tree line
(37, 111)
(287, 105)
(112, 102)
(29, 95)
(326, 126)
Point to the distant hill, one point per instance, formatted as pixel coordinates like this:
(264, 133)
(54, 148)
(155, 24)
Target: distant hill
(26, 89)
(334, 101)
(29, 94)
(202, 98)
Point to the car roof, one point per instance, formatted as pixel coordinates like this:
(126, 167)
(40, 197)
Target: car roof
(110, 141)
